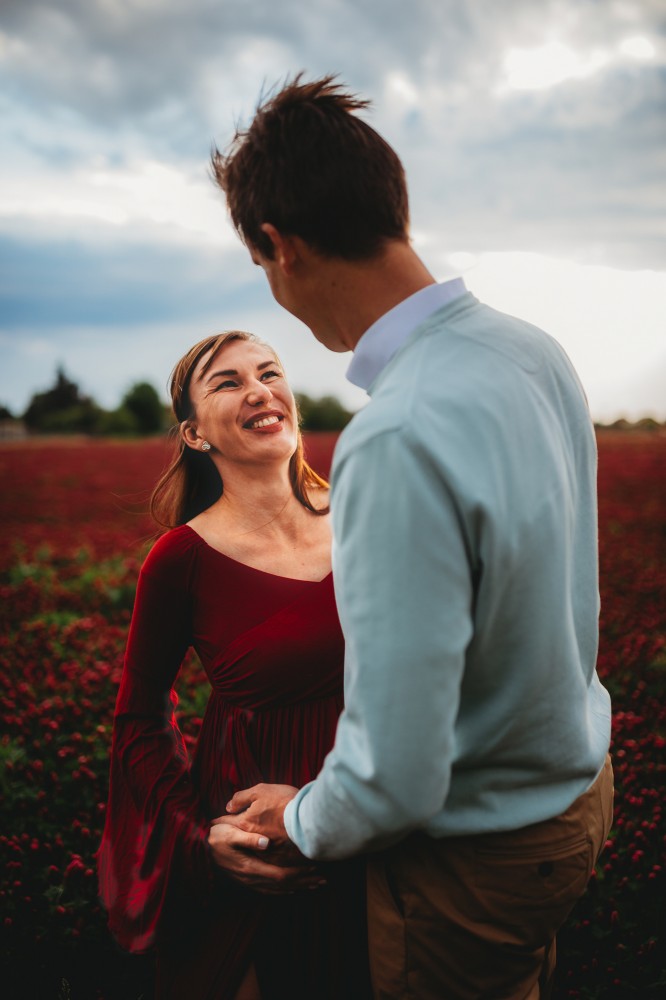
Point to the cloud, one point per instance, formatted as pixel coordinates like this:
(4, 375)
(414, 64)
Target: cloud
(183, 204)
(608, 321)
(117, 282)
(531, 128)
(144, 85)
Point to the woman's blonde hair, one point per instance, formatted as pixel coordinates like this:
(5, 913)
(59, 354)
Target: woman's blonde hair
(191, 482)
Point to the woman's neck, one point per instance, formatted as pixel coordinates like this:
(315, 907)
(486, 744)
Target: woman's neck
(256, 504)
(258, 521)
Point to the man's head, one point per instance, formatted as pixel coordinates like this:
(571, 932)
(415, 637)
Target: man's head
(308, 166)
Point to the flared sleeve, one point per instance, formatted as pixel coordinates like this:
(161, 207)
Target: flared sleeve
(154, 860)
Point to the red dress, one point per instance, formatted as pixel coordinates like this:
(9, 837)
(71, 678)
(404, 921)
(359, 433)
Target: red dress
(273, 652)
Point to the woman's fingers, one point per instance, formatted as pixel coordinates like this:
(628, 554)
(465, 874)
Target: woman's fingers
(235, 836)
(248, 841)
(223, 835)
(234, 851)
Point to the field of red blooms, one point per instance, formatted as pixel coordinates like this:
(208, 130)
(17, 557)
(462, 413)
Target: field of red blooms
(74, 532)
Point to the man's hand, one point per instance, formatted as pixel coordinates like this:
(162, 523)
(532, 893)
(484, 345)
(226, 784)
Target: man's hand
(260, 810)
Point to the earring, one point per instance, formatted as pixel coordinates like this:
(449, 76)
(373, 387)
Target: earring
(205, 446)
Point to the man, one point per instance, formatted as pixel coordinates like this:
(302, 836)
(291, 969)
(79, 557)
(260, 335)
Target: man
(471, 758)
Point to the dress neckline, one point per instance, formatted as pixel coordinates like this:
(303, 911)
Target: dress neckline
(292, 579)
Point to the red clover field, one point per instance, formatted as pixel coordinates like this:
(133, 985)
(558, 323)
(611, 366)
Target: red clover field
(74, 533)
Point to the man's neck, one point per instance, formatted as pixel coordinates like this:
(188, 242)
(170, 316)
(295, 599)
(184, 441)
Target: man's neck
(355, 294)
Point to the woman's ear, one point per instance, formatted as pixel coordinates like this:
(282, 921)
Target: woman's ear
(188, 432)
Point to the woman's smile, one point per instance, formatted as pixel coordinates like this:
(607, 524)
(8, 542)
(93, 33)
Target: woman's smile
(267, 421)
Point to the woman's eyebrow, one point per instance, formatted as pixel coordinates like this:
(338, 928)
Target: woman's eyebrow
(228, 371)
(232, 371)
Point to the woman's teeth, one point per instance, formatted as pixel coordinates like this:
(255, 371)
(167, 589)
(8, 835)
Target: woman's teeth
(264, 422)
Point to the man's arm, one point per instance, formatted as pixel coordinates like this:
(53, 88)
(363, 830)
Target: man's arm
(404, 590)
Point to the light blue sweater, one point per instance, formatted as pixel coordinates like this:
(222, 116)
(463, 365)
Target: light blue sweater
(465, 562)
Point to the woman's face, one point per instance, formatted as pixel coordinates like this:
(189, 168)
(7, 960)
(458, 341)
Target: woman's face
(242, 406)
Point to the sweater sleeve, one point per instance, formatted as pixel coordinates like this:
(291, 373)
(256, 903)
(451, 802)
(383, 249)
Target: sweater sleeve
(154, 853)
(406, 634)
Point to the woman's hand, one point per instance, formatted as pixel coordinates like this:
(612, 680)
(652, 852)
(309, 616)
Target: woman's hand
(236, 852)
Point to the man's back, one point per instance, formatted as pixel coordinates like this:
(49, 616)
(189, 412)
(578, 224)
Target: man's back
(479, 431)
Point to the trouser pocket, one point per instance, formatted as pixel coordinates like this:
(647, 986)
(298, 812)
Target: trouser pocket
(527, 892)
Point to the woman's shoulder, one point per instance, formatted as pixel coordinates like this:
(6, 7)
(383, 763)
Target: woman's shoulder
(172, 553)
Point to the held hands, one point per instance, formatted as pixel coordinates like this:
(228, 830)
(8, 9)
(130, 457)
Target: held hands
(257, 825)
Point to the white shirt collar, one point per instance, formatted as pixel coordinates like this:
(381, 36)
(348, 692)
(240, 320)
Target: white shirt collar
(381, 340)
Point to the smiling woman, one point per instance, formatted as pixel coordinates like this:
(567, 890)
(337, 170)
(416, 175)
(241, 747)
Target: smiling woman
(243, 577)
(193, 481)
(245, 399)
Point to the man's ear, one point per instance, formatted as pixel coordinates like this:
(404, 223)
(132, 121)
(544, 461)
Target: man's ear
(285, 251)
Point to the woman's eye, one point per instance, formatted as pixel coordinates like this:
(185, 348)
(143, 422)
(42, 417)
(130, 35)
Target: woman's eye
(227, 384)
(270, 374)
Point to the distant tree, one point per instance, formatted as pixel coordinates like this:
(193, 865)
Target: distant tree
(143, 402)
(168, 418)
(117, 423)
(648, 424)
(324, 414)
(620, 425)
(5, 414)
(61, 408)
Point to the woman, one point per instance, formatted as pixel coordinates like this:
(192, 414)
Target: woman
(244, 577)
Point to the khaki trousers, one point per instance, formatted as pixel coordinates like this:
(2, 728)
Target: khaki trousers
(475, 918)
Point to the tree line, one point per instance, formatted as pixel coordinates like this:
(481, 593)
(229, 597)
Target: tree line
(64, 409)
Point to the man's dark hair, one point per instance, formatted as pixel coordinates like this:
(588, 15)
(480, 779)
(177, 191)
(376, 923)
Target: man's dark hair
(309, 166)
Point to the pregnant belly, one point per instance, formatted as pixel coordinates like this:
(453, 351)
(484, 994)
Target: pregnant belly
(240, 747)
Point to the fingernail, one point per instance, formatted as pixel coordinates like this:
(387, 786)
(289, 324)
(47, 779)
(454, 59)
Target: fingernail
(229, 807)
(263, 842)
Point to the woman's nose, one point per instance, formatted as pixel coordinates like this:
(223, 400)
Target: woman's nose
(259, 393)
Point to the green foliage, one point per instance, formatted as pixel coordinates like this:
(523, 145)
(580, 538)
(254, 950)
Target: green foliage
(79, 419)
(645, 424)
(324, 414)
(61, 409)
(117, 423)
(144, 404)
(70, 584)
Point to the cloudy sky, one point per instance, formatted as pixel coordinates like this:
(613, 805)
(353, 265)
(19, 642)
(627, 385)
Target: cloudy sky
(534, 137)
